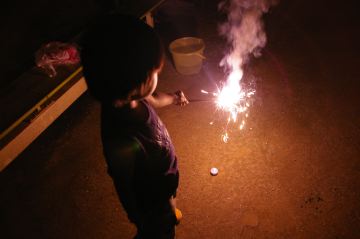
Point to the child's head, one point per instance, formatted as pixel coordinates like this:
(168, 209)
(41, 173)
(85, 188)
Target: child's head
(120, 54)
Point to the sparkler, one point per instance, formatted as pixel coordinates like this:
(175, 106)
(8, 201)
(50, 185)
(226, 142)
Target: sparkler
(234, 100)
(244, 31)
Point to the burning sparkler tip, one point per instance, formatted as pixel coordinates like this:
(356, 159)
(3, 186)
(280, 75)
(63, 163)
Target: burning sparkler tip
(225, 137)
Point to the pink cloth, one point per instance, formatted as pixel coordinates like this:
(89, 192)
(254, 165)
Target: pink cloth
(56, 53)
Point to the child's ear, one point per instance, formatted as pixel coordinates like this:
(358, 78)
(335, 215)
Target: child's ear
(150, 76)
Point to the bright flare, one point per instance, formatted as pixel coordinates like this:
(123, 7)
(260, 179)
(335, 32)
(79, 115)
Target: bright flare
(234, 100)
(229, 97)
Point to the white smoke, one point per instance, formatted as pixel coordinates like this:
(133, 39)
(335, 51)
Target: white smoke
(244, 30)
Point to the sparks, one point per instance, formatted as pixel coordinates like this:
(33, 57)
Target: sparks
(204, 91)
(244, 32)
(225, 137)
(233, 99)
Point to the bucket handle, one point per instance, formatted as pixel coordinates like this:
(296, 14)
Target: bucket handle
(200, 55)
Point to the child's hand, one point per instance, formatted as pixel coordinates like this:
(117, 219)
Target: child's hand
(180, 98)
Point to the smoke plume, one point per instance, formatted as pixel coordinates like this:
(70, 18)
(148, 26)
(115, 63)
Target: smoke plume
(244, 30)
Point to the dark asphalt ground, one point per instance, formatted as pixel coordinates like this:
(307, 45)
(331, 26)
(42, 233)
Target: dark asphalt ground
(294, 172)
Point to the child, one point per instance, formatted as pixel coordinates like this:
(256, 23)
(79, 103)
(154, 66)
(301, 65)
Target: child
(122, 57)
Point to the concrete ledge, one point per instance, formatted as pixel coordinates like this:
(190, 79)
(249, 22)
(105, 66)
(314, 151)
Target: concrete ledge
(46, 117)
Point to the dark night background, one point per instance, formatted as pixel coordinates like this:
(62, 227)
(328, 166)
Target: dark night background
(294, 172)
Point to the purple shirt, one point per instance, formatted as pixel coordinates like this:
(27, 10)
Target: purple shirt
(153, 172)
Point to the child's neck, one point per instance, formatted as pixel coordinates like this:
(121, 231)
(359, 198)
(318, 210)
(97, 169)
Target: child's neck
(132, 104)
(135, 109)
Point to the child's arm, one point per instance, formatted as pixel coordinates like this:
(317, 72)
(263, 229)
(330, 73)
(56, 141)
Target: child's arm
(160, 99)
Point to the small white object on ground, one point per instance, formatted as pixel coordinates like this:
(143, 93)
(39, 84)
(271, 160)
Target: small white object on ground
(214, 171)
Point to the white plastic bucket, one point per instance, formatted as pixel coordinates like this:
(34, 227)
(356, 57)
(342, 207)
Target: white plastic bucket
(187, 53)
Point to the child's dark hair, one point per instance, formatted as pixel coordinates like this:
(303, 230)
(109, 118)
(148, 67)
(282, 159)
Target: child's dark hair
(118, 54)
